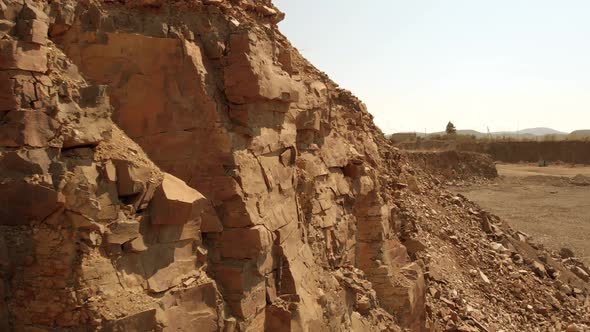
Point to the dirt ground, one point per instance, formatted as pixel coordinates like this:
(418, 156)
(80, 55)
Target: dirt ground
(552, 204)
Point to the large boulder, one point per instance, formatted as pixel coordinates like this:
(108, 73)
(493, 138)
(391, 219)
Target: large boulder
(23, 56)
(30, 128)
(26, 200)
(175, 203)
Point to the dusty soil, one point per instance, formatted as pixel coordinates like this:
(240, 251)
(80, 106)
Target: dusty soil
(551, 204)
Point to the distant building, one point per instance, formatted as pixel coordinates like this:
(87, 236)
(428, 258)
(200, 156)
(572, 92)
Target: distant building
(403, 137)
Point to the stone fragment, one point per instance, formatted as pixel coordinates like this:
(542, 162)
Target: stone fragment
(230, 324)
(131, 179)
(520, 236)
(517, 259)
(89, 122)
(33, 31)
(24, 201)
(5, 27)
(581, 273)
(8, 100)
(288, 157)
(23, 56)
(414, 246)
(539, 269)
(574, 328)
(142, 321)
(110, 171)
(484, 277)
(353, 170)
(30, 12)
(210, 222)
(25, 162)
(251, 77)
(308, 120)
(175, 203)
(121, 232)
(192, 309)
(27, 128)
(64, 15)
(242, 243)
(170, 276)
(136, 245)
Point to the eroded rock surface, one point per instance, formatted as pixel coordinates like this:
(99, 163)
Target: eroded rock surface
(236, 187)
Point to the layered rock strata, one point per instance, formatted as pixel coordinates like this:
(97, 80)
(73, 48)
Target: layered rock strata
(177, 165)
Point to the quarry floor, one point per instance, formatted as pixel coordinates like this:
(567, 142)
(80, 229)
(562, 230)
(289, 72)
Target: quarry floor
(541, 202)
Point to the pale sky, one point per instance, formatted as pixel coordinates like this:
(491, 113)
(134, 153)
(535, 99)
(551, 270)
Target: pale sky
(417, 64)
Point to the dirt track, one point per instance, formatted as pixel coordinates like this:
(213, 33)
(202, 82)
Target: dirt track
(542, 202)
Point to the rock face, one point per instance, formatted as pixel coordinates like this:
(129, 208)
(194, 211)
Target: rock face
(236, 187)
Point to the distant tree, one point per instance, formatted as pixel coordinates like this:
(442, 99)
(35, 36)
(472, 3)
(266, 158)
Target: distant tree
(451, 130)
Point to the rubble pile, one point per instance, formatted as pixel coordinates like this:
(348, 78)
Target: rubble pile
(179, 166)
(482, 275)
(454, 167)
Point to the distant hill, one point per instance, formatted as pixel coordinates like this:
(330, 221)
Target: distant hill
(524, 133)
(584, 133)
(540, 131)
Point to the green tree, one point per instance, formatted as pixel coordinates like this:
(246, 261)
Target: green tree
(451, 130)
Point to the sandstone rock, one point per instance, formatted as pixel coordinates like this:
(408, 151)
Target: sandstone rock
(33, 31)
(175, 203)
(142, 321)
(23, 56)
(5, 27)
(131, 179)
(27, 128)
(8, 100)
(122, 231)
(539, 269)
(574, 328)
(309, 120)
(136, 245)
(302, 189)
(26, 162)
(521, 236)
(27, 201)
(484, 277)
(581, 273)
(64, 16)
(92, 124)
(210, 222)
(170, 276)
(265, 81)
(244, 243)
(192, 309)
(30, 12)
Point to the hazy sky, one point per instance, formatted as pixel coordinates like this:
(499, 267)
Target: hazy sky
(420, 63)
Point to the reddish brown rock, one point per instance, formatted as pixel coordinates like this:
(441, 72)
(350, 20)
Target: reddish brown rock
(33, 31)
(241, 243)
(8, 99)
(192, 309)
(26, 201)
(175, 203)
(248, 64)
(22, 55)
(131, 179)
(122, 231)
(27, 128)
(304, 204)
